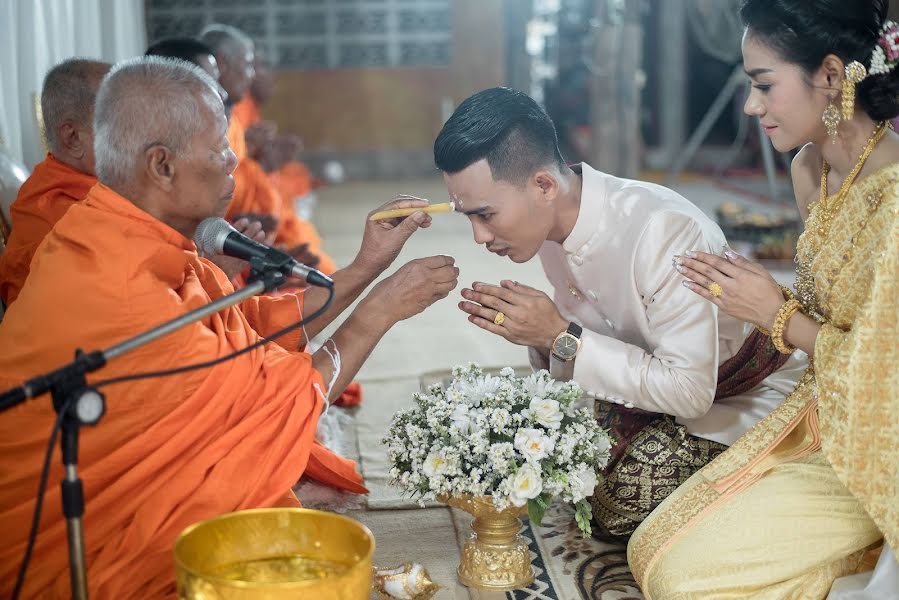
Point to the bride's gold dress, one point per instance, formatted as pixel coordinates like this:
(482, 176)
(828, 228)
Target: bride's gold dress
(797, 500)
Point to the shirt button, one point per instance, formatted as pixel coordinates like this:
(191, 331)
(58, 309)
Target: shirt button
(592, 295)
(577, 260)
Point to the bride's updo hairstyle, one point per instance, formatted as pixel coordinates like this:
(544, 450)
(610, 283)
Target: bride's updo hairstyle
(804, 32)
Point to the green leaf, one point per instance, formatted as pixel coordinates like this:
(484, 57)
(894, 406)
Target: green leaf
(536, 511)
(583, 514)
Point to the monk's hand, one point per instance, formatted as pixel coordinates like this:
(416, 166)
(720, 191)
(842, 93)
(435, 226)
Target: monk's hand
(258, 136)
(747, 291)
(383, 240)
(269, 225)
(530, 316)
(415, 286)
(302, 254)
(233, 267)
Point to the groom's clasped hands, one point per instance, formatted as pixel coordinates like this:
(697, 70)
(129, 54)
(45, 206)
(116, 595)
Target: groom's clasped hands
(519, 313)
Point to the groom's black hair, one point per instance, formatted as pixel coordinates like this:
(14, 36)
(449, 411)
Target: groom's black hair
(506, 127)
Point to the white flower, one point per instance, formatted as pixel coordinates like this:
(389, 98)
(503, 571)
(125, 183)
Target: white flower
(539, 385)
(507, 372)
(500, 419)
(435, 464)
(582, 483)
(533, 444)
(474, 392)
(526, 485)
(498, 457)
(479, 442)
(603, 444)
(546, 412)
(462, 418)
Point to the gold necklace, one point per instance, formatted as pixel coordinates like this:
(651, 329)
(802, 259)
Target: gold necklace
(826, 211)
(821, 216)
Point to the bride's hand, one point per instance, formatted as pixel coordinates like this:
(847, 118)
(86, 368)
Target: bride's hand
(748, 292)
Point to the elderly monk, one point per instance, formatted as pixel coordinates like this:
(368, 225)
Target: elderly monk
(176, 450)
(254, 196)
(64, 177)
(235, 53)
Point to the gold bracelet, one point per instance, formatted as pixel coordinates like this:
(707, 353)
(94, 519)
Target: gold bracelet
(787, 295)
(786, 311)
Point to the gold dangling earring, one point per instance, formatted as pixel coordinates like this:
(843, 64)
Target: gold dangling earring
(855, 73)
(831, 118)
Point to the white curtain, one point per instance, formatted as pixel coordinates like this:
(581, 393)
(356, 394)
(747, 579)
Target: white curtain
(35, 35)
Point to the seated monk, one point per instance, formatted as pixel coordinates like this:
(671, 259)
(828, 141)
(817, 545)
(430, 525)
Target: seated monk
(237, 59)
(233, 54)
(254, 196)
(64, 177)
(176, 450)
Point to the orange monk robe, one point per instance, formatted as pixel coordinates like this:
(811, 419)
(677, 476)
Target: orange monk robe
(45, 197)
(247, 112)
(237, 138)
(169, 452)
(254, 194)
(293, 181)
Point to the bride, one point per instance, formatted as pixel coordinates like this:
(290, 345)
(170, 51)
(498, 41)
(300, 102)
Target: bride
(810, 493)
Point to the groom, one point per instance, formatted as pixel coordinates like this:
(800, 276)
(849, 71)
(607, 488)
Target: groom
(675, 381)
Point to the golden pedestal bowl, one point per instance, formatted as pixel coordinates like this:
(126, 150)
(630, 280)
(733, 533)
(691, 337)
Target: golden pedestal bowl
(274, 554)
(495, 558)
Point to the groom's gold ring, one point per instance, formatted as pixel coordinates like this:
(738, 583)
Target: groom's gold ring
(499, 319)
(715, 289)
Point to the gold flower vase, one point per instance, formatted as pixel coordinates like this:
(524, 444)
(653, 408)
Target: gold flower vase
(495, 557)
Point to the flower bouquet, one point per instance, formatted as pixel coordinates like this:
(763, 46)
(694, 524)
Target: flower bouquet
(493, 445)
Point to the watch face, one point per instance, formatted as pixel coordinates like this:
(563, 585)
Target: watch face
(566, 346)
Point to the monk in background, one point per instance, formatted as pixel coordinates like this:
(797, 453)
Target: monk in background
(278, 154)
(235, 53)
(61, 179)
(254, 197)
(176, 450)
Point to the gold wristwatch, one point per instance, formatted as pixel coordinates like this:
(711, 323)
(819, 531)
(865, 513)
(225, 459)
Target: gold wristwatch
(567, 344)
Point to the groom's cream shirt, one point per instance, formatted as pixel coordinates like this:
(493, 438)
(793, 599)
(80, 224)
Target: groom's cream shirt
(648, 341)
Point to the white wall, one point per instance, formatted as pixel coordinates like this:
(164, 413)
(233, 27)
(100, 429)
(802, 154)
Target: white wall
(37, 34)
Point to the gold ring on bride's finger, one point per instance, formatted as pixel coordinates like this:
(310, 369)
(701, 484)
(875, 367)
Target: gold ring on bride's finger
(715, 289)
(499, 319)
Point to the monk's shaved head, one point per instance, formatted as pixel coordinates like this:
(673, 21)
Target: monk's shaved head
(68, 95)
(234, 52)
(226, 40)
(145, 102)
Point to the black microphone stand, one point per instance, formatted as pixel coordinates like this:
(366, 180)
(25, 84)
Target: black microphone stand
(78, 403)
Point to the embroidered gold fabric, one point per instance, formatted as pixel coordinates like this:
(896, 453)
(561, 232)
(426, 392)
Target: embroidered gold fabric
(852, 389)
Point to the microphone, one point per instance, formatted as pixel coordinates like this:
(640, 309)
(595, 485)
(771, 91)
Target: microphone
(216, 236)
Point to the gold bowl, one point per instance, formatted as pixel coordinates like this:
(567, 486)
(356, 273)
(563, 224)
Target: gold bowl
(275, 553)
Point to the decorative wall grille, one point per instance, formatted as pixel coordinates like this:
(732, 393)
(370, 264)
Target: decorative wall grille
(321, 34)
